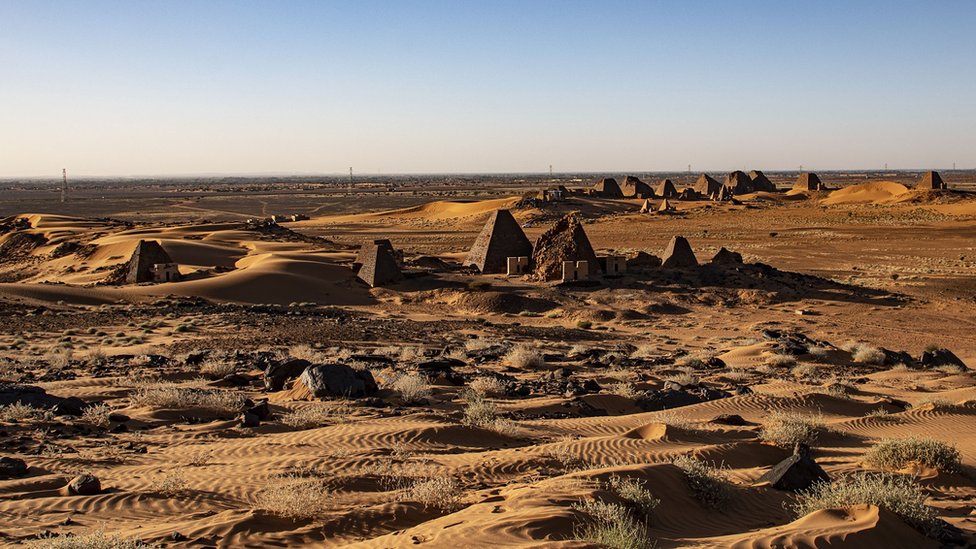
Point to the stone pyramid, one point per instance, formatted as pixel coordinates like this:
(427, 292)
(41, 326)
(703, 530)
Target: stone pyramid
(647, 207)
(564, 241)
(931, 180)
(633, 187)
(146, 254)
(665, 206)
(760, 182)
(707, 186)
(501, 238)
(808, 182)
(678, 254)
(608, 188)
(665, 189)
(739, 183)
(379, 266)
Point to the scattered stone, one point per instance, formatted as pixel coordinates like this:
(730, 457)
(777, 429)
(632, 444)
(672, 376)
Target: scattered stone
(247, 419)
(941, 357)
(261, 410)
(84, 485)
(726, 257)
(31, 395)
(564, 241)
(118, 418)
(338, 380)
(797, 472)
(730, 419)
(12, 467)
(276, 375)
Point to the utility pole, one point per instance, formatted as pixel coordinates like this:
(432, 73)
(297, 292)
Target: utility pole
(550, 171)
(350, 177)
(64, 184)
(801, 168)
(689, 168)
(886, 166)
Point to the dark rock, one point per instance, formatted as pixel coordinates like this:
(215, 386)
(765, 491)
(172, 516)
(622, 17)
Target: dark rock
(338, 380)
(261, 410)
(731, 419)
(12, 467)
(195, 359)
(897, 357)
(118, 418)
(276, 375)
(797, 472)
(84, 485)
(71, 406)
(743, 390)
(235, 380)
(119, 428)
(439, 366)
(771, 334)
(248, 419)
(31, 395)
(941, 357)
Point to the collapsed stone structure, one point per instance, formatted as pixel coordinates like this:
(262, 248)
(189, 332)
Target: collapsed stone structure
(564, 241)
(808, 182)
(760, 182)
(632, 187)
(739, 183)
(707, 185)
(501, 238)
(150, 263)
(607, 188)
(666, 189)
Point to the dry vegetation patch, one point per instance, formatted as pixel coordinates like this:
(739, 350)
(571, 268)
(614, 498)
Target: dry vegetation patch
(786, 429)
(899, 453)
(294, 496)
(708, 483)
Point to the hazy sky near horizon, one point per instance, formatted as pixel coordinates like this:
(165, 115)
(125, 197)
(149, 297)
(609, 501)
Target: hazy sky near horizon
(145, 87)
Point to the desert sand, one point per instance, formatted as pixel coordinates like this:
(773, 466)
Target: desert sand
(507, 411)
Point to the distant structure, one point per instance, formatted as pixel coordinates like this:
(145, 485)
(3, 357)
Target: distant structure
(500, 239)
(707, 186)
(607, 188)
(932, 181)
(382, 242)
(150, 263)
(678, 254)
(808, 182)
(666, 189)
(633, 187)
(739, 183)
(563, 242)
(760, 182)
(379, 265)
(647, 207)
(64, 184)
(665, 207)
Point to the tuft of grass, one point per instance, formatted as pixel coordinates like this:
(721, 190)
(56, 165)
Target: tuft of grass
(172, 483)
(97, 414)
(487, 386)
(611, 525)
(625, 390)
(310, 417)
(413, 388)
(170, 395)
(440, 492)
(584, 324)
(635, 492)
(22, 412)
(293, 496)
(708, 483)
(481, 412)
(217, 368)
(898, 494)
(862, 353)
(91, 540)
(524, 357)
(780, 360)
(786, 429)
(899, 453)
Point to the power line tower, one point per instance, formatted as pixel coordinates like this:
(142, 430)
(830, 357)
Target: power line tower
(689, 168)
(64, 184)
(350, 177)
(550, 171)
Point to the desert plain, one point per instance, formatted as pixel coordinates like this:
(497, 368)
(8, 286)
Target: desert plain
(814, 390)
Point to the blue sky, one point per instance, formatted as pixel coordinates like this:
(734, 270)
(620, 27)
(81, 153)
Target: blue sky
(182, 87)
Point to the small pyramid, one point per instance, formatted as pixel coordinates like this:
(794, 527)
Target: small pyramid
(808, 182)
(707, 186)
(564, 241)
(931, 181)
(665, 189)
(146, 254)
(797, 472)
(633, 187)
(760, 182)
(739, 183)
(379, 266)
(608, 188)
(678, 254)
(501, 238)
(647, 207)
(726, 257)
(665, 206)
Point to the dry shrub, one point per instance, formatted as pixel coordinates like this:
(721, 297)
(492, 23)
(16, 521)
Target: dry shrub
(170, 395)
(487, 386)
(22, 412)
(624, 389)
(805, 370)
(863, 353)
(169, 484)
(413, 388)
(294, 496)
(898, 494)
(481, 412)
(708, 483)
(672, 418)
(684, 379)
(786, 429)
(97, 414)
(524, 357)
(59, 359)
(611, 525)
(899, 453)
(91, 540)
(635, 492)
(439, 492)
(310, 417)
(217, 368)
(780, 360)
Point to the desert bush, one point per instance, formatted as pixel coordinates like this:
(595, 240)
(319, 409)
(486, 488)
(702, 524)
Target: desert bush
(169, 484)
(672, 418)
(937, 403)
(611, 525)
(524, 357)
(217, 368)
(310, 417)
(479, 344)
(59, 359)
(170, 395)
(97, 356)
(786, 429)
(487, 386)
(481, 412)
(818, 351)
(413, 388)
(584, 324)
(780, 360)
(684, 379)
(97, 414)
(898, 453)
(92, 540)
(898, 494)
(708, 483)
(441, 492)
(805, 370)
(293, 496)
(22, 412)
(863, 353)
(840, 389)
(951, 369)
(636, 493)
(645, 351)
(624, 389)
